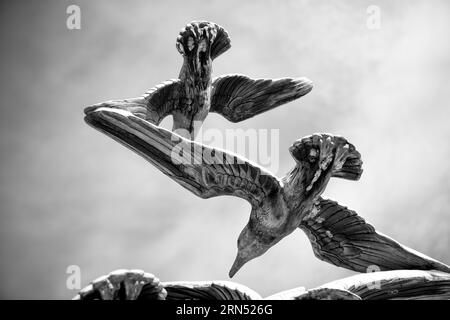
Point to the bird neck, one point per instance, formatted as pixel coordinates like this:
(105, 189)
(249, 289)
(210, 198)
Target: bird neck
(196, 74)
(303, 186)
(294, 186)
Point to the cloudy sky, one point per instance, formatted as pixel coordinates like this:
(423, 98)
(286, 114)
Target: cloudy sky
(71, 196)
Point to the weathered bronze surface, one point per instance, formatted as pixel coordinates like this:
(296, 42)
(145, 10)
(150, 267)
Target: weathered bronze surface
(279, 205)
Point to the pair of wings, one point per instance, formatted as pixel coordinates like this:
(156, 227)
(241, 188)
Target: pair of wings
(397, 284)
(235, 97)
(338, 235)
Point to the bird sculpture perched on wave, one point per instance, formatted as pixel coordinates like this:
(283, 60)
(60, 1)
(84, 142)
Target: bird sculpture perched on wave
(195, 93)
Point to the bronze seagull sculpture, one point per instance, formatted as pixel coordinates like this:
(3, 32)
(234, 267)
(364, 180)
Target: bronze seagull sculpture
(397, 284)
(279, 206)
(194, 94)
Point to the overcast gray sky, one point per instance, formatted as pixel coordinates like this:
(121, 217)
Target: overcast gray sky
(71, 196)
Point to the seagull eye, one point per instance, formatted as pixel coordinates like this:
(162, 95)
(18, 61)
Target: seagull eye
(312, 156)
(190, 43)
(202, 46)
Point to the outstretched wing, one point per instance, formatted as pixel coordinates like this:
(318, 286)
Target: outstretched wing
(153, 106)
(396, 284)
(238, 97)
(205, 171)
(341, 237)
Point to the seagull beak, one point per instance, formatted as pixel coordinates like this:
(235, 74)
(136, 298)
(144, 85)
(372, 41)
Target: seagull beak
(238, 263)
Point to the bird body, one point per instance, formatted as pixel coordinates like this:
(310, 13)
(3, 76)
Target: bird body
(191, 97)
(317, 158)
(195, 45)
(279, 206)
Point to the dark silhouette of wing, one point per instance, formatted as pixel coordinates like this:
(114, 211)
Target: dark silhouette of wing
(238, 97)
(153, 106)
(341, 237)
(205, 171)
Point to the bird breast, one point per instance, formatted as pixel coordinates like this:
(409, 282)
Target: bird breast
(194, 99)
(274, 216)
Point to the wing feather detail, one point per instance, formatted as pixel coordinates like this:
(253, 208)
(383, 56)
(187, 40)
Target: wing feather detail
(153, 106)
(238, 97)
(341, 237)
(207, 172)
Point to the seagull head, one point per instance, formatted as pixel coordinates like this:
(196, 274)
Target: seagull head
(194, 43)
(250, 246)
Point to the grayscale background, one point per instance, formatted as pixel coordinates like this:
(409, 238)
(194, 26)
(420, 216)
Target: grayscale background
(71, 196)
